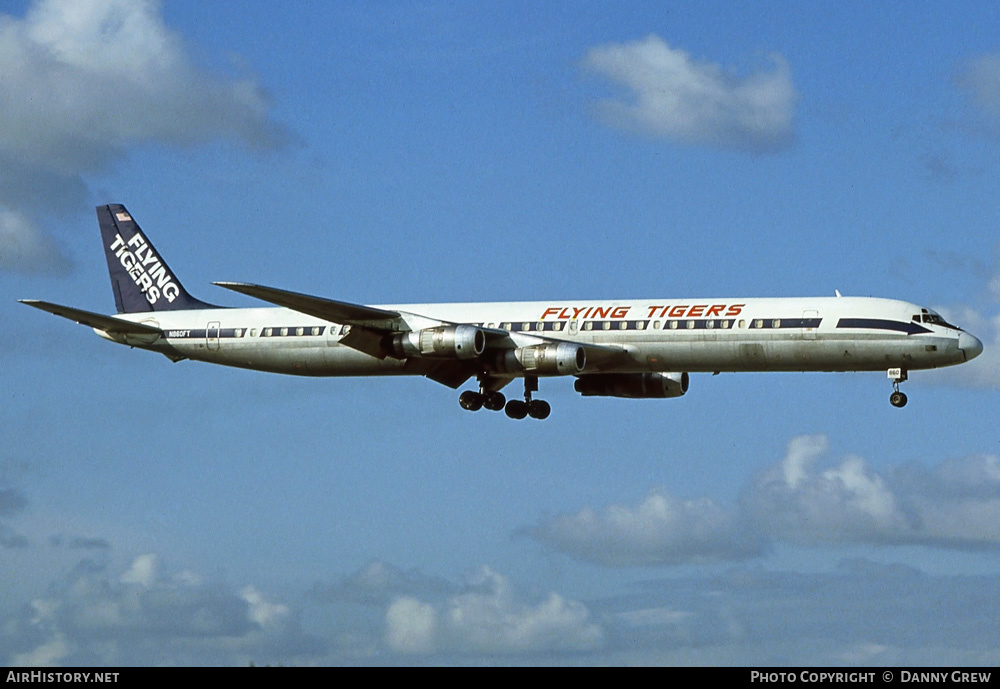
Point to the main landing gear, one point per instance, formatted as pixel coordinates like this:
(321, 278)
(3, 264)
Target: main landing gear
(515, 409)
(897, 398)
(474, 401)
(536, 409)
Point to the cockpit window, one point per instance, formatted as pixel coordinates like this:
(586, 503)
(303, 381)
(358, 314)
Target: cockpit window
(933, 319)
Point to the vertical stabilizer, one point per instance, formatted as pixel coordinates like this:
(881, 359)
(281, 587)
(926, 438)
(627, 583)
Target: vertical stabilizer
(140, 278)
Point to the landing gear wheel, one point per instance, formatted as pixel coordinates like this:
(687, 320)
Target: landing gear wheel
(539, 409)
(470, 400)
(536, 409)
(494, 401)
(897, 376)
(516, 409)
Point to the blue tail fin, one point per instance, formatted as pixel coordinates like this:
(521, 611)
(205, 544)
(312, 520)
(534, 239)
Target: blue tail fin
(140, 279)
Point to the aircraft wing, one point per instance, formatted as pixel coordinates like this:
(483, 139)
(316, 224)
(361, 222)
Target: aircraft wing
(369, 327)
(108, 324)
(327, 309)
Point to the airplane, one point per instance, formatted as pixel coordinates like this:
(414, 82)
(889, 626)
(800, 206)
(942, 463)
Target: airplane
(631, 349)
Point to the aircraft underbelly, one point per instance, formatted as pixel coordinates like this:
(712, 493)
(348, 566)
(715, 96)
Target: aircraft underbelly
(306, 359)
(820, 354)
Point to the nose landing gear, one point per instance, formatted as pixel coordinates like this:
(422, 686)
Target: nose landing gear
(897, 398)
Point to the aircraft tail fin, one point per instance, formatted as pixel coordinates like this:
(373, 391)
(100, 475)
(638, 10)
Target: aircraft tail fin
(140, 278)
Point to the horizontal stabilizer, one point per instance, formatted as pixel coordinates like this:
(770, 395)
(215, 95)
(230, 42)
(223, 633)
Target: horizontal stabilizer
(327, 309)
(108, 324)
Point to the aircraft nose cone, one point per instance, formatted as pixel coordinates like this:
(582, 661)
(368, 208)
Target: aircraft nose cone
(970, 346)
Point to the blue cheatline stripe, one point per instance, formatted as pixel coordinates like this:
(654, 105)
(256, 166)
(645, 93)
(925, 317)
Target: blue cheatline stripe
(201, 333)
(782, 323)
(909, 327)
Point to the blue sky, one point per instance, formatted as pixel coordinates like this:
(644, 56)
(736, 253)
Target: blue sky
(399, 152)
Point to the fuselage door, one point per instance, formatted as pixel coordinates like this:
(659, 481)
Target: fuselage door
(212, 335)
(810, 322)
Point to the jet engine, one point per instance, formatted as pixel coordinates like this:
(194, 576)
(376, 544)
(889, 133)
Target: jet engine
(633, 385)
(459, 341)
(554, 359)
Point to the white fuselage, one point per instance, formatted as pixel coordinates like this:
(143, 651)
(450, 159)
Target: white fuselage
(690, 335)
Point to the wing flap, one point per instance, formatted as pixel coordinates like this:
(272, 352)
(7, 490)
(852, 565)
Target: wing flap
(108, 324)
(450, 373)
(371, 342)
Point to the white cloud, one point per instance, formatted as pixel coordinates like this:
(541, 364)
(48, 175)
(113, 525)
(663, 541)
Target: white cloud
(658, 530)
(142, 571)
(142, 617)
(83, 82)
(672, 96)
(410, 626)
(803, 499)
(261, 611)
(982, 321)
(379, 583)
(49, 654)
(860, 612)
(26, 248)
(487, 616)
(146, 615)
(984, 370)
(651, 617)
(802, 453)
(843, 503)
(13, 501)
(955, 504)
(980, 78)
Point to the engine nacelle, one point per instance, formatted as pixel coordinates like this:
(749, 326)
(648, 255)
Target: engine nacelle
(633, 385)
(555, 359)
(458, 341)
